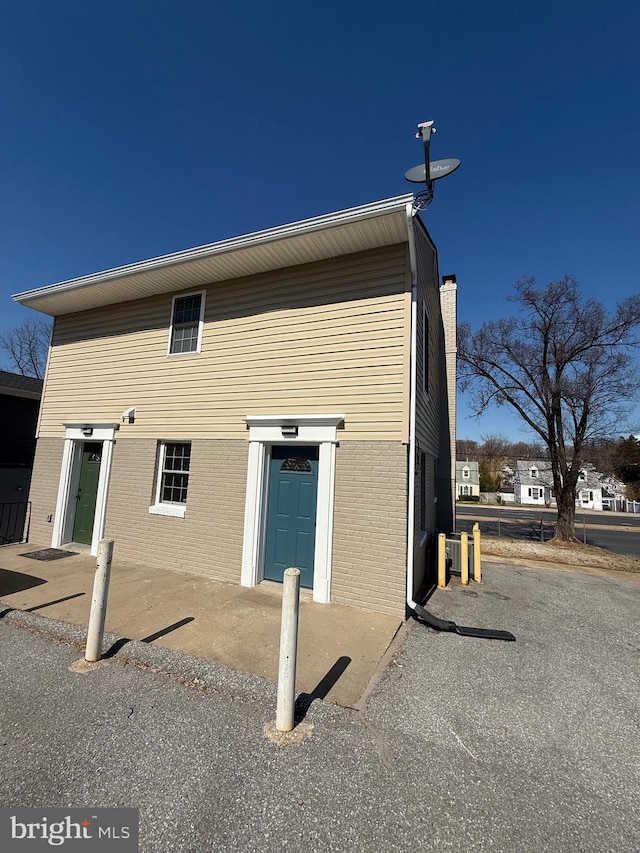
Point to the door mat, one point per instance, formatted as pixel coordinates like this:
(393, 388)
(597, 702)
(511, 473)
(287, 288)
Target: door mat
(46, 554)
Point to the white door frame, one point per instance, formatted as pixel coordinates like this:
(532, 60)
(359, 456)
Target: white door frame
(75, 437)
(264, 432)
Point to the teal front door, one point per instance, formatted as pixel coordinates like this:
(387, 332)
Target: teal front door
(291, 512)
(87, 492)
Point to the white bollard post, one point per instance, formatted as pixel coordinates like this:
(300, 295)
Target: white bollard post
(285, 712)
(95, 633)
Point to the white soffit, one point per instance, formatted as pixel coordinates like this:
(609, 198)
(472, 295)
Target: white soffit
(357, 229)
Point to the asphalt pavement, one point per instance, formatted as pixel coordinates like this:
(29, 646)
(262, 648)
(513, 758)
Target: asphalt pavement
(463, 744)
(617, 532)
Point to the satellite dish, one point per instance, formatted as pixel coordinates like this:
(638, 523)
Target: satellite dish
(437, 169)
(430, 172)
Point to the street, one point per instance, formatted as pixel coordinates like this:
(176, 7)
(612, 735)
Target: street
(618, 532)
(464, 744)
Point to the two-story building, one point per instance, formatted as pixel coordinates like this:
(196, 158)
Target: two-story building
(533, 482)
(589, 488)
(282, 398)
(467, 480)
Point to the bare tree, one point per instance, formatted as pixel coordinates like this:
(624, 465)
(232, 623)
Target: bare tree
(495, 452)
(564, 364)
(27, 346)
(466, 448)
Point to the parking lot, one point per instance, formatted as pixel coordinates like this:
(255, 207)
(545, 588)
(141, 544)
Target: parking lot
(462, 744)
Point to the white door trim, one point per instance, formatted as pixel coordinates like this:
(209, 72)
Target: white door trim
(264, 432)
(75, 436)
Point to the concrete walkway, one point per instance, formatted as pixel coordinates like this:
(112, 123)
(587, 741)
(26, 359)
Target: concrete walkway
(339, 647)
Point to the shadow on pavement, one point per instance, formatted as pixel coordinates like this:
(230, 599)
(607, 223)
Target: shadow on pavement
(55, 601)
(11, 582)
(115, 648)
(322, 688)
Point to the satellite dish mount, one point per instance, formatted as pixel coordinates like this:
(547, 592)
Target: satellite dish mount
(426, 129)
(431, 171)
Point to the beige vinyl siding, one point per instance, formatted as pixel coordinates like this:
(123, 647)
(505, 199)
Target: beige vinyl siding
(325, 337)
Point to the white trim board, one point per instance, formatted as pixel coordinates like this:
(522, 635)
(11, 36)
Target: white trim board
(264, 432)
(75, 436)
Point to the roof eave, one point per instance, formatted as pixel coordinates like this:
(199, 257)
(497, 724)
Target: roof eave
(67, 296)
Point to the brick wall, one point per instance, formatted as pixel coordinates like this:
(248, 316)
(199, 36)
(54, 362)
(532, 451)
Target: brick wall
(208, 540)
(44, 488)
(369, 542)
(370, 533)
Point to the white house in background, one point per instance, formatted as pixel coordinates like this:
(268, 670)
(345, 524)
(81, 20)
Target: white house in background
(589, 488)
(533, 485)
(467, 480)
(533, 482)
(614, 496)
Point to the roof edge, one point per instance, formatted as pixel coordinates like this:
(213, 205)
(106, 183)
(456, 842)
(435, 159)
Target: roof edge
(280, 232)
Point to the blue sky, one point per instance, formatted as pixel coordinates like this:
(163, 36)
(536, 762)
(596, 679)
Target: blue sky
(132, 129)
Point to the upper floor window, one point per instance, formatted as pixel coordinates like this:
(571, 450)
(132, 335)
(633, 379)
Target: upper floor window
(465, 473)
(187, 315)
(534, 473)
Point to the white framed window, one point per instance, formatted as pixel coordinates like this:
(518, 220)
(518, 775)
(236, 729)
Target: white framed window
(465, 473)
(534, 473)
(425, 349)
(172, 483)
(535, 493)
(187, 320)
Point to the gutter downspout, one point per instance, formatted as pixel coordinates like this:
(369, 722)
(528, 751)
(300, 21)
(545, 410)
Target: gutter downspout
(413, 259)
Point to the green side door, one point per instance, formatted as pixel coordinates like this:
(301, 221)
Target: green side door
(87, 492)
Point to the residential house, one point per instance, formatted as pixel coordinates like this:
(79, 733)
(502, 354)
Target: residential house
(282, 398)
(533, 482)
(467, 480)
(589, 488)
(19, 404)
(613, 494)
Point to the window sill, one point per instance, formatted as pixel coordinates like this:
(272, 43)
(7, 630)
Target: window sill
(180, 354)
(168, 509)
